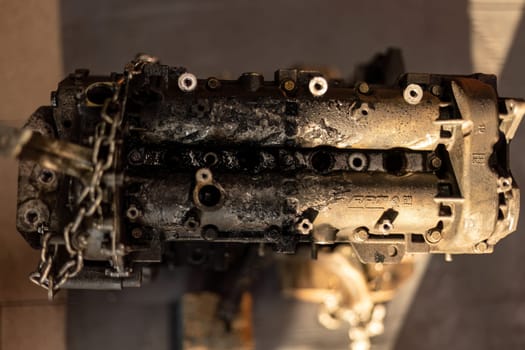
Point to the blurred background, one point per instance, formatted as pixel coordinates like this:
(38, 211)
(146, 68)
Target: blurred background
(475, 302)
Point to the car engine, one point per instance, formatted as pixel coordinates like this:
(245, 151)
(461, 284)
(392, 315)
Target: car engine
(153, 165)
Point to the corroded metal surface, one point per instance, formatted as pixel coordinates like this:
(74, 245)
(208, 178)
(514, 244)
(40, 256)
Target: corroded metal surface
(420, 166)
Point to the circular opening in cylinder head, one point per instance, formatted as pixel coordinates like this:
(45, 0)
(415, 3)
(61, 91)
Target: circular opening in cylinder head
(394, 162)
(209, 196)
(322, 161)
(98, 93)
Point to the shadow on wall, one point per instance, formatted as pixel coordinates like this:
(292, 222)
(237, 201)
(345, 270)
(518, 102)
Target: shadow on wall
(211, 37)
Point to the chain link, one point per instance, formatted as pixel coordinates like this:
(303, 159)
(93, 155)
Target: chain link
(92, 195)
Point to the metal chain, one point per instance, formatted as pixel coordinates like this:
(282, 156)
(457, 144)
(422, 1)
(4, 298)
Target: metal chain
(91, 196)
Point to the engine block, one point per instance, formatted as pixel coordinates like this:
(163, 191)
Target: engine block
(419, 166)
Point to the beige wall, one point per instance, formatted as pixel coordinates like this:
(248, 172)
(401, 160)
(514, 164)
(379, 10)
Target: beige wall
(30, 67)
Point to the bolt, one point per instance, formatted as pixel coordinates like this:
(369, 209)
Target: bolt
(363, 88)
(209, 233)
(434, 236)
(136, 233)
(436, 162)
(289, 85)
(481, 247)
(435, 90)
(135, 156)
(213, 83)
(361, 235)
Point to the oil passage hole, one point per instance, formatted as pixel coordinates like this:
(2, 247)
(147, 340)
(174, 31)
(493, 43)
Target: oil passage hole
(322, 161)
(133, 213)
(31, 216)
(47, 176)
(210, 159)
(209, 196)
(394, 162)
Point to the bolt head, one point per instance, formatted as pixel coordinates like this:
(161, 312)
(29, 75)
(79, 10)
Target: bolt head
(434, 236)
(361, 235)
(136, 233)
(436, 162)
(363, 88)
(289, 85)
(435, 90)
(481, 247)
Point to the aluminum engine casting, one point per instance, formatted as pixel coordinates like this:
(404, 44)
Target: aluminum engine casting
(419, 166)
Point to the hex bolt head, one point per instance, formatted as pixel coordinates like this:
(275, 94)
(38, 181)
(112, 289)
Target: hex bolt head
(136, 233)
(289, 85)
(363, 88)
(433, 236)
(213, 83)
(436, 162)
(135, 156)
(361, 235)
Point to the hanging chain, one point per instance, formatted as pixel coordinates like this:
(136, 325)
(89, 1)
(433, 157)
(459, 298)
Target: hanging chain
(89, 202)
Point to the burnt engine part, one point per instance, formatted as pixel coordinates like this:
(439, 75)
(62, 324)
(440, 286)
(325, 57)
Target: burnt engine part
(123, 170)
